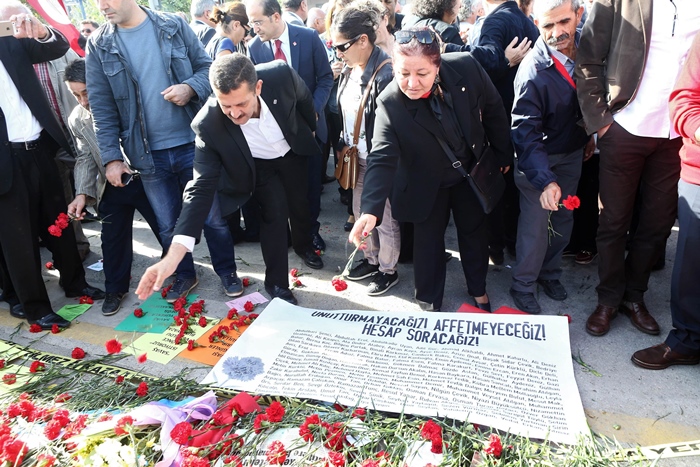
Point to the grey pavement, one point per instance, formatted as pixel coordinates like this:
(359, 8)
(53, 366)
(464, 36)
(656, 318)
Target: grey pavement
(633, 405)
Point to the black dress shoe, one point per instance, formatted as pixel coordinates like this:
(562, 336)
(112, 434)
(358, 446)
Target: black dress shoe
(89, 290)
(18, 311)
(49, 320)
(312, 260)
(318, 242)
(553, 289)
(285, 294)
(482, 306)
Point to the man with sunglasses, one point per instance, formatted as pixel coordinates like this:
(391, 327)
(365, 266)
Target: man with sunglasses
(87, 27)
(300, 48)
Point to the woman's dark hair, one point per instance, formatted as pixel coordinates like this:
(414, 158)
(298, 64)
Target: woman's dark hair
(413, 48)
(75, 71)
(432, 8)
(228, 12)
(228, 73)
(353, 21)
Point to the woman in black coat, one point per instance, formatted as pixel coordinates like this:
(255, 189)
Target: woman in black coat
(433, 98)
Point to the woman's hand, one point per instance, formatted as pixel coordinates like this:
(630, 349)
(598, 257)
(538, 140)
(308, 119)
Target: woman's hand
(363, 226)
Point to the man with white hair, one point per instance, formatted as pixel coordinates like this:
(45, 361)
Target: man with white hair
(316, 19)
(201, 24)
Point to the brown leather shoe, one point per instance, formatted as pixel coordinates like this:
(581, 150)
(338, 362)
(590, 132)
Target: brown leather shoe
(598, 324)
(640, 317)
(661, 356)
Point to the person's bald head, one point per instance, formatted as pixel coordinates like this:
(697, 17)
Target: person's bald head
(316, 19)
(12, 7)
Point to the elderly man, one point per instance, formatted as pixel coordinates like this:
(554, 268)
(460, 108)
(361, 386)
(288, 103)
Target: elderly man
(549, 145)
(295, 12)
(300, 48)
(202, 26)
(629, 56)
(254, 138)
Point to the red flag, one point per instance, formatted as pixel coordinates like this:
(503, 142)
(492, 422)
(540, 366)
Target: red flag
(54, 12)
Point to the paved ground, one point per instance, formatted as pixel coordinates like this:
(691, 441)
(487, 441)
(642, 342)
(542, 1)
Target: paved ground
(625, 402)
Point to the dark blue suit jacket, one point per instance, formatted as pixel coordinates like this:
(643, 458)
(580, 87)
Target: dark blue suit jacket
(310, 61)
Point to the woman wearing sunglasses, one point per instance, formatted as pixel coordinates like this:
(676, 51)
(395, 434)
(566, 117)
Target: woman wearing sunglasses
(231, 28)
(433, 103)
(366, 73)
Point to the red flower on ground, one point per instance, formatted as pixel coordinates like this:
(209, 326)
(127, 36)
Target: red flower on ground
(294, 272)
(275, 412)
(246, 282)
(122, 423)
(14, 450)
(142, 358)
(119, 379)
(86, 300)
(306, 429)
(319, 252)
(370, 463)
(78, 353)
(335, 437)
(45, 460)
(165, 291)
(297, 283)
(55, 230)
(113, 346)
(339, 284)
(36, 366)
(571, 202)
(233, 461)
(494, 446)
(142, 390)
(232, 313)
(248, 306)
(335, 459)
(55, 329)
(49, 265)
(359, 412)
(202, 321)
(276, 453)
(65, 397)
(432, 432)
(181, 433)
(191, 345)
(261, 422)
(2, 364)
(138, 313)
(35, 328)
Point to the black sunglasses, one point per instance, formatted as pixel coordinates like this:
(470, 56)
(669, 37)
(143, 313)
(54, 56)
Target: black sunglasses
(423, 37)
(342, 48)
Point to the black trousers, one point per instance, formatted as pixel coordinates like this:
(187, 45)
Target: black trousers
(631, 166)
(429, 267)
(281, 192)
(117, 208)
(30, 206)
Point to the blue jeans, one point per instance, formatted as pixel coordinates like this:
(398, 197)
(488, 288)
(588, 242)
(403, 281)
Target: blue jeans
(164, 188)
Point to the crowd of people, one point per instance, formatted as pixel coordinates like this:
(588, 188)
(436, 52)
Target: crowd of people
(502, 115)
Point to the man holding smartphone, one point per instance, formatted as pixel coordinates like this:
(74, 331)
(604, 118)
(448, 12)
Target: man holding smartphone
(115, 204)
(31, 195)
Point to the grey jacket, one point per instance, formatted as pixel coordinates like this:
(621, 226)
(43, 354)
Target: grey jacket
(114, 93)
(611, 57)
(89, 173)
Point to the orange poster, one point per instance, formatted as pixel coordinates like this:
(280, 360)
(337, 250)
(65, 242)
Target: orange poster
(210, 352)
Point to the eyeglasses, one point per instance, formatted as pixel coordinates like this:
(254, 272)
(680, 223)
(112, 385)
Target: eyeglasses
(424, 37)
(342, 48)
(257, 22)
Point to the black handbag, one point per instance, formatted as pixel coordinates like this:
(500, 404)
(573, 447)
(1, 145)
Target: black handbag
(485, 178)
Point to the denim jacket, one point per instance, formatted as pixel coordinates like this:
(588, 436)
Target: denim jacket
(114, 93)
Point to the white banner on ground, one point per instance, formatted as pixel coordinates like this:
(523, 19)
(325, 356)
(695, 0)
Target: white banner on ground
(511, 372)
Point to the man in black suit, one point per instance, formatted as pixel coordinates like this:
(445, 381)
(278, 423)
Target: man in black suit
(31, 195)
(253, 140)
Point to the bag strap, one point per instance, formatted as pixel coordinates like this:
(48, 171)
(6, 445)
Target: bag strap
(451, 155)
(365, 96)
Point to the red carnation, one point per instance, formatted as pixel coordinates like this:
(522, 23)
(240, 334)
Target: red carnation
(202, 321)
(49, 265)
(571, 202)
(9, 378)
(62, 221)
(86, 300)
(359, 412)
(275, 412)
(165, 290)
(55, 230)
(113, 346)
(335, 436)
(55, 329)
(142, 358)
(246, 282)
(261, 421)
(494, 446)
(335, 459)
(2, 363)
(122, 424)
(78, 353)
(233, 461)
(138, 313)
(181, 433)
(14, 451)
(294, 272)
(297, 283)
(232, 313)
(306, 428)
(276, 453)
(339, 284)
(45, 460)
(142, 390)
(191, 345)
(65, 397)
(35, 328)
(248, 306)
(119, 379)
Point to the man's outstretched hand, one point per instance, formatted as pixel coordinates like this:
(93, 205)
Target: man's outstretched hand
(153, 278)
